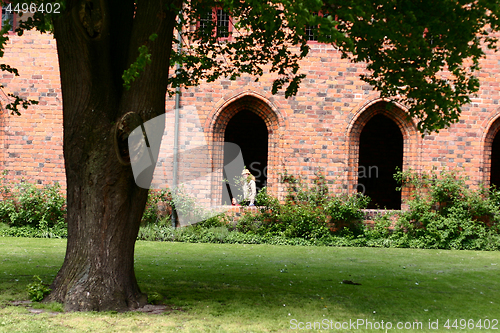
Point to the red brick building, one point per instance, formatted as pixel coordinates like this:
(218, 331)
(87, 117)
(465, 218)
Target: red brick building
(336, 124)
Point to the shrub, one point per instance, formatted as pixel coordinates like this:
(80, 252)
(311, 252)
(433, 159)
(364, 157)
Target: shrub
(345, 212)
(216, 221)
(37, 290)
(266, 201)
(249, 223)
(300, 193)
(152, 213)
(444, 213)
(300, 221)
(308, 211)
(381, 227)
(59, 231)
(28, 205)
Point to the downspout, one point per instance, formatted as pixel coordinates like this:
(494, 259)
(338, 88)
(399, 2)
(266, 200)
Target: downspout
(176, 127)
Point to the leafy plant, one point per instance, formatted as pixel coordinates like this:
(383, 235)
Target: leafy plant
(26, 204)
(381, 227)
(187, 206)
(300, 192)
(250, 222)
(37, 290)
(445, 213)
(155, 298)
(266, 201)
(216, 221)
(308, 211)
(152, 213)
(302, 221)
(346, 212)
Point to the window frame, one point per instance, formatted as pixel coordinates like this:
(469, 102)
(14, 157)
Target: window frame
(216, 21)
(14, 20)
(311, 27)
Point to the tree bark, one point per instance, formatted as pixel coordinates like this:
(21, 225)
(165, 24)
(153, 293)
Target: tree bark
(97, 41)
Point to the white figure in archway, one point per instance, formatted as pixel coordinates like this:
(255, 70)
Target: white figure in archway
(249, 190)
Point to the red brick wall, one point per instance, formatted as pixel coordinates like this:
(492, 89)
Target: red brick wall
(319, 128)
(31, 144)
(316, 130)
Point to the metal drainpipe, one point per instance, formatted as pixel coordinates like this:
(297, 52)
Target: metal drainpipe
(176, 130)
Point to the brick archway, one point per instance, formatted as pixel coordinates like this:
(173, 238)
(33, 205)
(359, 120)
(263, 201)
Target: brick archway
(216, 128)
(490, 157)
(406, 126)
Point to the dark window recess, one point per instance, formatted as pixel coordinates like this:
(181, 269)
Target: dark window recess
(9, 17)
(495, 161)
(223, 21)
(380, 152)
(206, 24)
(312, 31)
(249, 132)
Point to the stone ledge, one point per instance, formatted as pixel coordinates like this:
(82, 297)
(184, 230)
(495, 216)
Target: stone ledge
(235, 212)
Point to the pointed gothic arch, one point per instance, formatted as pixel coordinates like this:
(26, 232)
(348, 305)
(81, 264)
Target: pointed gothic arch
(393, 120)
(491, 152)
(233, 114)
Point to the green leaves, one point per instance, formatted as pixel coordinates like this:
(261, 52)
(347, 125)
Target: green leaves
(444, 213)
(264, 36)
(18, 101)
(37, 290)
(27, 205)
(422, 53)
(138, 65)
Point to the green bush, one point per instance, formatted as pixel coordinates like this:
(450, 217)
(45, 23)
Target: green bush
(300, 221)
(152, 213)
(215, 221)
(37, 290)
(300, 193)
(58, 231)
(345, 212)
(266, 201)
(494, 195)
(249, 223)
(27, 205)
(308, 212)
(381, 227)
(29, 211)
(444, 213)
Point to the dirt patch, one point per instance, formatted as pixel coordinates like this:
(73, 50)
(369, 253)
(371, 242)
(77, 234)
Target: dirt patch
(20, 303)
(157, 309)
(148, 308)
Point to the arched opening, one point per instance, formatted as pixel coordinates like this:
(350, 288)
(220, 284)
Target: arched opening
(380, 152)
(249, 131)
(495, 161)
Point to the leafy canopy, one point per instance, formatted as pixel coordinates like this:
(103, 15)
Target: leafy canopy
(421, 53)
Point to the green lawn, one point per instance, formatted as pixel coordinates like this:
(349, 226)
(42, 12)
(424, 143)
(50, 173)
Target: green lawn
(261, 288)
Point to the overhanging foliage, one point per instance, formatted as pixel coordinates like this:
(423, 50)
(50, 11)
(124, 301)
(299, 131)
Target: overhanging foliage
(422, 53)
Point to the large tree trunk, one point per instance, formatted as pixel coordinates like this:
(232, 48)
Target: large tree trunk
(96, 41)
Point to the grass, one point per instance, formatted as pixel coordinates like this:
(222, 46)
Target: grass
(264, 288)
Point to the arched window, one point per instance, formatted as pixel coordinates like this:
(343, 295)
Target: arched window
(495, 161)
(380, 153)
(249, 131)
